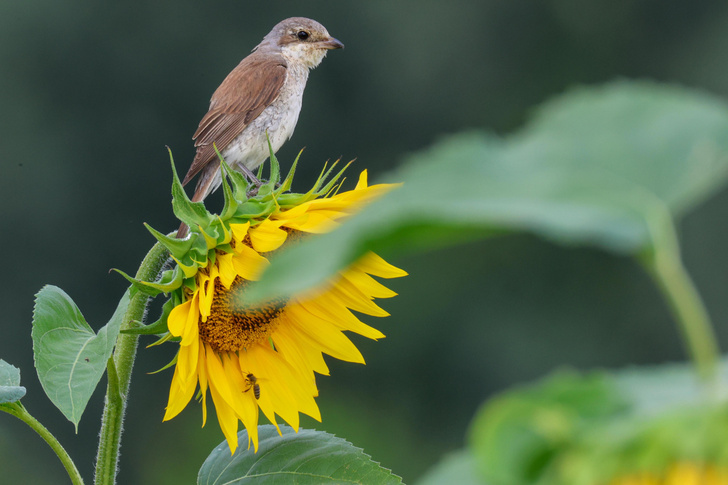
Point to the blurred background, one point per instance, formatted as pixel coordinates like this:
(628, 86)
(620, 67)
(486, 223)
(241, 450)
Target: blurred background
(91, 92)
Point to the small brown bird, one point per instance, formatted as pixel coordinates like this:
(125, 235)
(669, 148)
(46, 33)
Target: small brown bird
(263, 94)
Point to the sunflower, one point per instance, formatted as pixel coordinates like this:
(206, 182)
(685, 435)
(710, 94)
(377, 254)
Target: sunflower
(682, 473)
(263, 357)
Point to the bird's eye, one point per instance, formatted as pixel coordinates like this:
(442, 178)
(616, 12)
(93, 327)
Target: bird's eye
(302, 35)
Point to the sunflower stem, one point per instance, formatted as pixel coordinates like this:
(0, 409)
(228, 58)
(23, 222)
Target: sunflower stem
(666, 268)
(690, 313)
(18, 410)
(119, 372)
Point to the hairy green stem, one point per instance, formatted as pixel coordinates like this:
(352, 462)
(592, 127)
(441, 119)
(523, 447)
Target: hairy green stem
(19, 411)
(666, 268)
(119, 373)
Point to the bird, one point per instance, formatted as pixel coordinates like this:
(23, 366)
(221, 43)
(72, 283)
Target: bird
(260, 99)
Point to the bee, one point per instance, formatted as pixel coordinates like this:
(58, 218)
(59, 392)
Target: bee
(253, 384)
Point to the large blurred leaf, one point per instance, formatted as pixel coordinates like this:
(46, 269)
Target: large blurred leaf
(69, 357)
(651, 390)
(667, 139)
(597, 166)
(307, 457)
(456, 468)
(10, 388)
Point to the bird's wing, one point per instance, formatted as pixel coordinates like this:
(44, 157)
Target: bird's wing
(250, 88)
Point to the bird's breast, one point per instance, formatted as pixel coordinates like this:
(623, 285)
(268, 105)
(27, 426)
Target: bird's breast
(278, 120)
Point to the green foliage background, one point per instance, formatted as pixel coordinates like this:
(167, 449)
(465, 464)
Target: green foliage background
(91, 93)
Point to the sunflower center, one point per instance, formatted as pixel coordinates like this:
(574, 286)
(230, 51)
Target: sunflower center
(230, 328)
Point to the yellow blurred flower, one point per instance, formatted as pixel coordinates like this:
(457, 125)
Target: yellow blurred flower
(682, 473)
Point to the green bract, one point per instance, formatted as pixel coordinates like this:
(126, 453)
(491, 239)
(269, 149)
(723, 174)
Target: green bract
(211, 232)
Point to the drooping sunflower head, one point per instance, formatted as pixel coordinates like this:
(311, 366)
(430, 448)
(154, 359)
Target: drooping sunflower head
(262, 357)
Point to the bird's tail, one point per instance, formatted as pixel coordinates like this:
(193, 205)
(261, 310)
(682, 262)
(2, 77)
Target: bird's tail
(183, 231)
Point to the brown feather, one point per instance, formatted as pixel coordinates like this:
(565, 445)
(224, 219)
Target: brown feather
(250, 88)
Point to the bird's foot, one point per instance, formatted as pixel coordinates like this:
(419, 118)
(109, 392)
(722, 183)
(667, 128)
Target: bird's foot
(253, 179)
(254, 182)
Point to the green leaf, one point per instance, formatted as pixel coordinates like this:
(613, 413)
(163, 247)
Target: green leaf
(651, 390)
(191, 213)
(160, 326)
(10, 388)
(288, 182)
(231, 203)
(667, 139)
(239, 181)
(307, 457)
(334, 180)
(170, 280)
(69, 357)
(598, 166)
(458, 468)
(275, 169)
(253, 209)
(176, 247)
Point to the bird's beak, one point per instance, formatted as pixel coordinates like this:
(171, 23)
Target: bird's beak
(331, 43)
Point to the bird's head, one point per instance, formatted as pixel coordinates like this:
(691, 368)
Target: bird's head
(301, 40)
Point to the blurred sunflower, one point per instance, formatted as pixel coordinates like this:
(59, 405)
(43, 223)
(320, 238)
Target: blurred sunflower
(683, 473)
(639, 426)
(261, 357)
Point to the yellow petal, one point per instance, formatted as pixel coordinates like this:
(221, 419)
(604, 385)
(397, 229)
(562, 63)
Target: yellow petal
(315, 223)
(275, 394)
(210, 241)
(248, 263)
(321, 334)
(177, 318)
(338, 204)
(340, 316)
(190, 332)
(299, 356)
(362, 184)
(202, 375)
(181, 391)
(368, 285)
(187, 362)
(226, 269)
(244, 403)
(217, 378)
(354, 200)
(239, 231)
(231, 405)
(227, 419)
(267, 236)
(205, 291)
(189, 271)
(353, 298)
(284, 377)
(374, 265)
(265, 402)
(684, 474)
(227, 235)
(294, 212)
